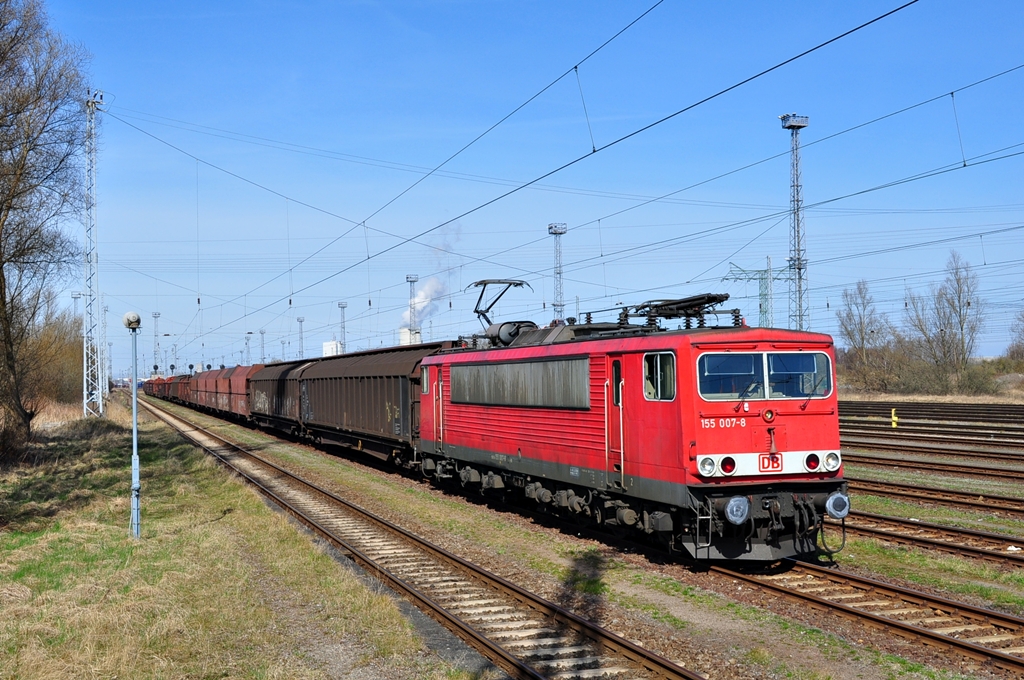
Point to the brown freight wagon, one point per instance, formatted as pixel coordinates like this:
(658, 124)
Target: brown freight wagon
(177, 389)
(274, 395)
(206, 389)
(369, 400)
(238, 395)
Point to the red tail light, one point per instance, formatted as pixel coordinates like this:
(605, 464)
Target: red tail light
(812, 462)
(727, 466)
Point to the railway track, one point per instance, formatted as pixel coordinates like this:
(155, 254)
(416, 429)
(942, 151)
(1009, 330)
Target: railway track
(1008, 414)
(980, 634)
(1007, 506)
(978, 431)
(990, 547)
(960, 469)
(969, 434)
(524, 635)
(937, 448)
(538, 639)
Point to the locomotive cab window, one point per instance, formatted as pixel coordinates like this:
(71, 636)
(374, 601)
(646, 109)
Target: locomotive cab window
(738, 377)
(728, 377)
(660, 376)
(425, 379)
(799, 375)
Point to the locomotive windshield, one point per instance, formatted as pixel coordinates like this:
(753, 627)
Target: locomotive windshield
(791, 375)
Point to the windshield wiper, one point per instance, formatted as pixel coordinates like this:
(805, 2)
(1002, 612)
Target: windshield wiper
(813, 391)
(746, 391)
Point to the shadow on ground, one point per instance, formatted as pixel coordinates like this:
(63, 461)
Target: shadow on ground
(69, 466)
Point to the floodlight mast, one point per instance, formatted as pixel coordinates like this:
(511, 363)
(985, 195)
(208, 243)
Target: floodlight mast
(798, 311)
(412, 279)
(558, 229)
(341, 337)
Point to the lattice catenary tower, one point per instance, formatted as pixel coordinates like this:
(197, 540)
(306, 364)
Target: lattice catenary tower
(302, 345)
(799, 317)
(556, 229)
(764, 280)
(92, 369)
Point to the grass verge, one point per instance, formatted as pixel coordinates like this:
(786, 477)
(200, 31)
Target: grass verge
(218, 586)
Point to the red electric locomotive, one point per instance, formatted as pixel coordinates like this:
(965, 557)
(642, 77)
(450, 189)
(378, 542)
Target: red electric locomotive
(722, 442)
(719, 442)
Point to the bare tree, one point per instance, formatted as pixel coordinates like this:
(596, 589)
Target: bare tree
(861, 327)
(42, 133)
(944, 325)
(1016, 349)
(869, 339)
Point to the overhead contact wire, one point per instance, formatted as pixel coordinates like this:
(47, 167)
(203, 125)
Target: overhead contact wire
(603, 147)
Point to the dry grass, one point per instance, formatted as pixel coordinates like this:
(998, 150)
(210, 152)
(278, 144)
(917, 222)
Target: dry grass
(56, 414)
(218, 586)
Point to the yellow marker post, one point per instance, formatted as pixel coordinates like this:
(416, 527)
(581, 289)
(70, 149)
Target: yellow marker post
(894, 418)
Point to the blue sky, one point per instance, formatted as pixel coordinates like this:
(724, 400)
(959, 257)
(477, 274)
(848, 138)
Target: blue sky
(240, 138)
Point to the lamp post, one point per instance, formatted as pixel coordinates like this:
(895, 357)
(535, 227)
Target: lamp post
(133, 322)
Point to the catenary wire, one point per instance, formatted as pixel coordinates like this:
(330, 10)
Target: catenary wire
(604, 147)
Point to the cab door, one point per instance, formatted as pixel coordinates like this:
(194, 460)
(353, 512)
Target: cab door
(615, 417)
(438, 404)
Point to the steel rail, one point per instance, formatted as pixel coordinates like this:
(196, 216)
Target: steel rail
(986, 617)
(961, 412)
(901, 531)
(489, 649)
(934, 466)
(1012, 431)
(1010, 441)
(897, 445)
(988, 503)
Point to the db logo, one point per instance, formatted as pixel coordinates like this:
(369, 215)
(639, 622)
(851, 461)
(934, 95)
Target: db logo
(769, 462)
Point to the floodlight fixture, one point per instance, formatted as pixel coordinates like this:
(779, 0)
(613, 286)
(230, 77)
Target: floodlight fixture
(132, 320)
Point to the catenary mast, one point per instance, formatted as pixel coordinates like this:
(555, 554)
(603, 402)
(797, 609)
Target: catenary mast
(92, 369)
(764, 280)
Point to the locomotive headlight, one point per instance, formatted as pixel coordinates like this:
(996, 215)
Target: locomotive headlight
(837, 505)
(706, 466)
(832, 461)
(737, 509)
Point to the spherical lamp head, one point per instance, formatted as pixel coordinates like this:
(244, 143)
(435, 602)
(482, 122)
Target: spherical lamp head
(131, 320)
